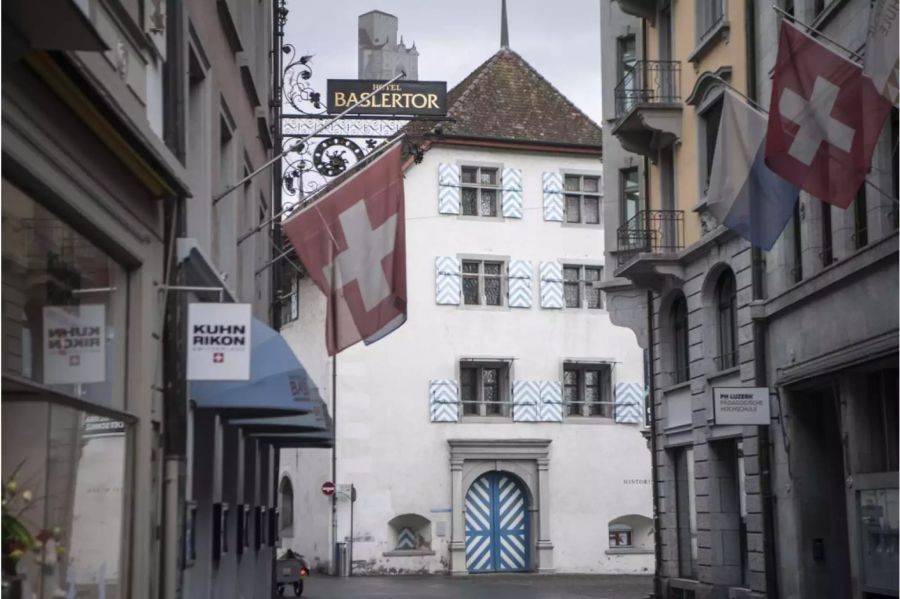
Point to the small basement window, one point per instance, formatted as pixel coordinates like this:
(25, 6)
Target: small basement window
(410, 534)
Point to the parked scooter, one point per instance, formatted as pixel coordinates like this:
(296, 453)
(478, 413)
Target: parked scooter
(291, 568)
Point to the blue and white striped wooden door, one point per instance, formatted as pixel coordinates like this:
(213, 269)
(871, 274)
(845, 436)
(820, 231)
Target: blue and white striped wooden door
(496, 525)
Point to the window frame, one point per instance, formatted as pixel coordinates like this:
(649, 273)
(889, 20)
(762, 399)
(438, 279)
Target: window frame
(726, 322)
(707, 8)
(680, 324)
(290, 302)
(504, 386)
(581, 194)
(478, 187)
(582, 281)
(605, 405)
(624, 174)
(714, 101)
(503, 262)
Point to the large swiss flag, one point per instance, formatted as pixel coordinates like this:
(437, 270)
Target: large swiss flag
(824, 119)
(352, 243)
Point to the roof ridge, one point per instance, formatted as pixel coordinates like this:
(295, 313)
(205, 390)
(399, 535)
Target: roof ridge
(554, 88)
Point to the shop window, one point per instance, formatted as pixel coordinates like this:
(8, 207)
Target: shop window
(410, 534)
(64, 473)
(65, 305)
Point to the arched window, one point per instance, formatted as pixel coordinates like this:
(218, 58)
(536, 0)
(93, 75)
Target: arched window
(286, 500)
(680, 346)
(726, 310)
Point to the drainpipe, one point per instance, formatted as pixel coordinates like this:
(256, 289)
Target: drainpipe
(657, 532)
(760, 333)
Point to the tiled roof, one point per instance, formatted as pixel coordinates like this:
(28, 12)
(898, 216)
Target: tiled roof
(507, 99)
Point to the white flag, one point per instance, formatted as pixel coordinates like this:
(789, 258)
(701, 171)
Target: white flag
(881, 60)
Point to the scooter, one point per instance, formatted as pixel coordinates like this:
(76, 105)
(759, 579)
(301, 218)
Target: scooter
(291, 569)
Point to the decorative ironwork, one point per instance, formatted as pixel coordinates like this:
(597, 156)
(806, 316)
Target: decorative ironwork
(649, 82)
(650, 231)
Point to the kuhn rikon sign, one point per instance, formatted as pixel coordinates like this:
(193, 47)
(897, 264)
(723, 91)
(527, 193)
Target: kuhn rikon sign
(74, 344)
(741, 405)
(218, 342)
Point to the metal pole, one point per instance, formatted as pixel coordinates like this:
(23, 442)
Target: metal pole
(350, 549)
(305, 139)
(794, 19)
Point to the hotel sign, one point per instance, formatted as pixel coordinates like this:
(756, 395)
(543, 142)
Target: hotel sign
(743, 406)
(418, 98)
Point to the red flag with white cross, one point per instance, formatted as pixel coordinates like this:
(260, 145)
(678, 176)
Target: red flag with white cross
(824, 119)
(352, 243)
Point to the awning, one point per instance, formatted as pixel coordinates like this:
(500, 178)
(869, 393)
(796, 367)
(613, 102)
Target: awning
(296, 440)
(278, 385)
(314, 422)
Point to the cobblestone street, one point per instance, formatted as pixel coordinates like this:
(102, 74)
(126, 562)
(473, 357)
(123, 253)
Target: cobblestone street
(478, 587)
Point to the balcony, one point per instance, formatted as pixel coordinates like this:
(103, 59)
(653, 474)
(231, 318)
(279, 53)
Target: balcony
(648, 107)
(645, 9)
(647, 246)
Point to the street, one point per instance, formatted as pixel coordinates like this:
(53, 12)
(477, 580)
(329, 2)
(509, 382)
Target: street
(517, 586)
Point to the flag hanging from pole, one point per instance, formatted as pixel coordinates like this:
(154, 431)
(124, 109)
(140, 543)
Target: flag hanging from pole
(882, 59)
(744, 195)
(352, 243)
(824, 119)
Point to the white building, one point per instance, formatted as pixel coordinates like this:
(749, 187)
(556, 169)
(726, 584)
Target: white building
(499, 429)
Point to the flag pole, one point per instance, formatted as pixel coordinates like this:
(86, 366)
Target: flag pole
(858, 57)
(305, 139)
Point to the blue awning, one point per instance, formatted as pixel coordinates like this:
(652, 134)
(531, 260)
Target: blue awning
(316, 421)
(278, 385)
(296, 440)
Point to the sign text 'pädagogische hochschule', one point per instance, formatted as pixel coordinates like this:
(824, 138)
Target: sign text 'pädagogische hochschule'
(404, 97)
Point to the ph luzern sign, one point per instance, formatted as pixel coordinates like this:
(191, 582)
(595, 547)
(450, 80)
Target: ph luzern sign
(218, 339)
(404, 97)
(741, 405)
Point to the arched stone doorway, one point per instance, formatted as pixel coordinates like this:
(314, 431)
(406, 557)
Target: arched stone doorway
(497, 530)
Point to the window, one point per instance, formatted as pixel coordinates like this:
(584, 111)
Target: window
(681, 361)
(627, 58)
(484, 388)
(827, 240)
(290, 299)
(482, 283)
(726, 308)
(286, 503)
(820, 6)
(587, 390)
(710, 119)
(685, 511)
(578, 283)
(797, 230)
(630, 190)
(709, 14)
(860, 216)
(619, 536)
(480, 191)
(582, 199)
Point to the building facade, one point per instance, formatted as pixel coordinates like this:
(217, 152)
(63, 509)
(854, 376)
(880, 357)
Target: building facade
(381, 55)
(803, 506)
(508, 400)
(122, 122)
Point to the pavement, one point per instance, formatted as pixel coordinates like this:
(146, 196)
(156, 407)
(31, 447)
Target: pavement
(479, 586)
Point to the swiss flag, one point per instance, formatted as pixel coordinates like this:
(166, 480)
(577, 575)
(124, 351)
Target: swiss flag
(352, 243)
(824, 119)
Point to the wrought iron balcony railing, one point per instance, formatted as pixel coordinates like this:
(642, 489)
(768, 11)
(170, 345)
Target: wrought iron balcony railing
(649, 82)
(650, 231)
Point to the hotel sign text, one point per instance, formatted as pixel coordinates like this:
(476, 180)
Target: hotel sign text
(404, 97)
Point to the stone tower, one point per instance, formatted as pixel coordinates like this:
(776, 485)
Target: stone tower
(381, 55)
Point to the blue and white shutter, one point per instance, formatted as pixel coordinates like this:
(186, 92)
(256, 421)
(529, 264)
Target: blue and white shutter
(519, 283)
(551, 285)
(628, 402)
(443, 398)
(553, 197)
(447, 280)
(511, 194)
(406, 539)
(448, 188)
(551, 401)
(526, 401)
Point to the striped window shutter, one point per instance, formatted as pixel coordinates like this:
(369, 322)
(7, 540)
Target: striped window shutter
(551, 285)
(512, 192)
(628, 402)
(447, 280)
(551, 401)
(407, 539)
(526, 401)
(443, 397)
(553, 197)
(448, 188)
(519, 287)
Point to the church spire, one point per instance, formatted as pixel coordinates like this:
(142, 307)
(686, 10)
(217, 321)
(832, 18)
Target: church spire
(504, 28)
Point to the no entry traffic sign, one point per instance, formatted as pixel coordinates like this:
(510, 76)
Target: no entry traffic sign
(328, 488)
